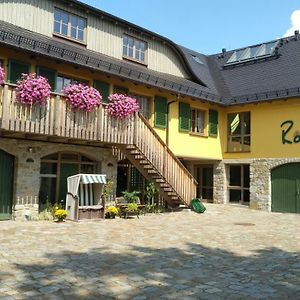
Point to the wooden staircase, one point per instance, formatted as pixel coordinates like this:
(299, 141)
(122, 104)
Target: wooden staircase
(155, 161)
(133, 136)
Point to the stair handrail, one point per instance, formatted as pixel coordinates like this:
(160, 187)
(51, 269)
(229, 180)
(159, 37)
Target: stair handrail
(138, 114)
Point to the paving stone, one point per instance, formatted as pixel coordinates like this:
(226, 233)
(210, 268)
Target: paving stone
(164, 256)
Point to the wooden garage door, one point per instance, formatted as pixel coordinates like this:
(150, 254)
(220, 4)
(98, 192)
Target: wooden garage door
(6, 184)
(286, 188)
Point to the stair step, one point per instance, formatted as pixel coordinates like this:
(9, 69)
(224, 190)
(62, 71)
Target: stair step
(129, 147)
(151, 171)
(139, 157)
(164, 185)
(172, 193)
(144, 162)
(160, 180)
(174, 198)
(147, 167)
(135, 152)
(167, 189)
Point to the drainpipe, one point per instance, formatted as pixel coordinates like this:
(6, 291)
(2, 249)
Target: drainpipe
(168, 111)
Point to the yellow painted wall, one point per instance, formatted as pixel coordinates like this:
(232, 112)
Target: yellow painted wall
(266, 138)
(192, 146)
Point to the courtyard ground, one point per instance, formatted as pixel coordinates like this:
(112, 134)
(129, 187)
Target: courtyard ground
(229, 252)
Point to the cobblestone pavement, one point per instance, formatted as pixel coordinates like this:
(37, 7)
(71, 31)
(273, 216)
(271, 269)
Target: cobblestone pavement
(229, 252)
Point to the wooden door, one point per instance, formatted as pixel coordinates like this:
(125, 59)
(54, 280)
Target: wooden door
(6, 184)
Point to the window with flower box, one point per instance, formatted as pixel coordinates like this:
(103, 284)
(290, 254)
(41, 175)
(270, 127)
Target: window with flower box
(144, 103)
(69, 25)
(62, 81)
(134, 49)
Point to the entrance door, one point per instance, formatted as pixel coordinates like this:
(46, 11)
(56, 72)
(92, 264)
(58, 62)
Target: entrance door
(66, 170)
(286, 188)
(6, 184)
(205, 183)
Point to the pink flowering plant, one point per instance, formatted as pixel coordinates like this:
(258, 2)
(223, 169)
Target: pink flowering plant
(32, 89)
(82, 97)
(2, 74)
(121, 106)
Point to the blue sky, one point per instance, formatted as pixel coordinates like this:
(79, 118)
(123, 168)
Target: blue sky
(208, 26)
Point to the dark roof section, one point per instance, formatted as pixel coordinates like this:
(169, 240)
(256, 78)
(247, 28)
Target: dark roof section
(20, 38)
(274, 77)
(138, 29)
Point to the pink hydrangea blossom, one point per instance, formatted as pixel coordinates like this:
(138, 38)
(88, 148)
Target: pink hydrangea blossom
(2, 74)
(122, 106)
(82, 97)
(32, 89)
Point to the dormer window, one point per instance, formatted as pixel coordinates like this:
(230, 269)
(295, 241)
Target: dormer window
(69, 25)
(134, 49)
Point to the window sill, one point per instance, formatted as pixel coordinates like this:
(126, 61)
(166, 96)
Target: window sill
(238, 151)
(135, 61)
(198, 134)
(67, 38)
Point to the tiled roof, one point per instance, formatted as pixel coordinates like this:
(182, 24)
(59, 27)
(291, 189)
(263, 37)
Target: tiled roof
(20, 38)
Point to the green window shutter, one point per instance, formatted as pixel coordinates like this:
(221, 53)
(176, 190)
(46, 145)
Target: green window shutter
(160, 112)
(184, 117)
(15, 70)
(51, 75)
(103, 88)
(121, 90)
(213, 123)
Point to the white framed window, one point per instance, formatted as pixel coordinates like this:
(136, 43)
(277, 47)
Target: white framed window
(69, 25)
(62, 81)
(144, 103)
(134, 49)
(197, 121)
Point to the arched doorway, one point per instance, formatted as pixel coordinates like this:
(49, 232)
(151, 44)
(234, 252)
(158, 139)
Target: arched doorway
(54, 171)
(7, 162)
(286, 188)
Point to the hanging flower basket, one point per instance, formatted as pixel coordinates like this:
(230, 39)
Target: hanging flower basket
(121, 106)
(32, 89)
(2, 75)
(82, 97)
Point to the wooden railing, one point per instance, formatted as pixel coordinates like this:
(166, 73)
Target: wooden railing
(57, 119)
(163, 160)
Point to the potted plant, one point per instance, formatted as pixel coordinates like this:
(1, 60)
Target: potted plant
(32, 89)
(121, 106)
(2, 75)
(111, 212)
(82, 97)
(60, 215)
(131, 197)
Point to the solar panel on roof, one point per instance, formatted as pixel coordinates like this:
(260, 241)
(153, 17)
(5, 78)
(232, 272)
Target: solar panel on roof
(252, 53)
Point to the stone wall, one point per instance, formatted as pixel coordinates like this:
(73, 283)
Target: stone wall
(28, 155)
(220, 183)
(260, 181)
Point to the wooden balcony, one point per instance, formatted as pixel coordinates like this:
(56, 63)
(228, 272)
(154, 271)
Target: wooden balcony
(58, 122)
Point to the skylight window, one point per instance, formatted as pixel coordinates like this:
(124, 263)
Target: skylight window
(197, 59)
(252, 53)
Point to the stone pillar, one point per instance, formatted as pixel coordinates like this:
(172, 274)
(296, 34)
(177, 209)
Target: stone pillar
(220, 183)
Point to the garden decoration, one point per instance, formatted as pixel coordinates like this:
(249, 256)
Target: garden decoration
(32, 89)
(111, 212)
(60, 215)
(121, 106)
(82, 97)
(2, 75)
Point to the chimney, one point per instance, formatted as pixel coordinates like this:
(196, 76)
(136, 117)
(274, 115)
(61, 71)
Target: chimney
(224, 50)
(296, 35)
